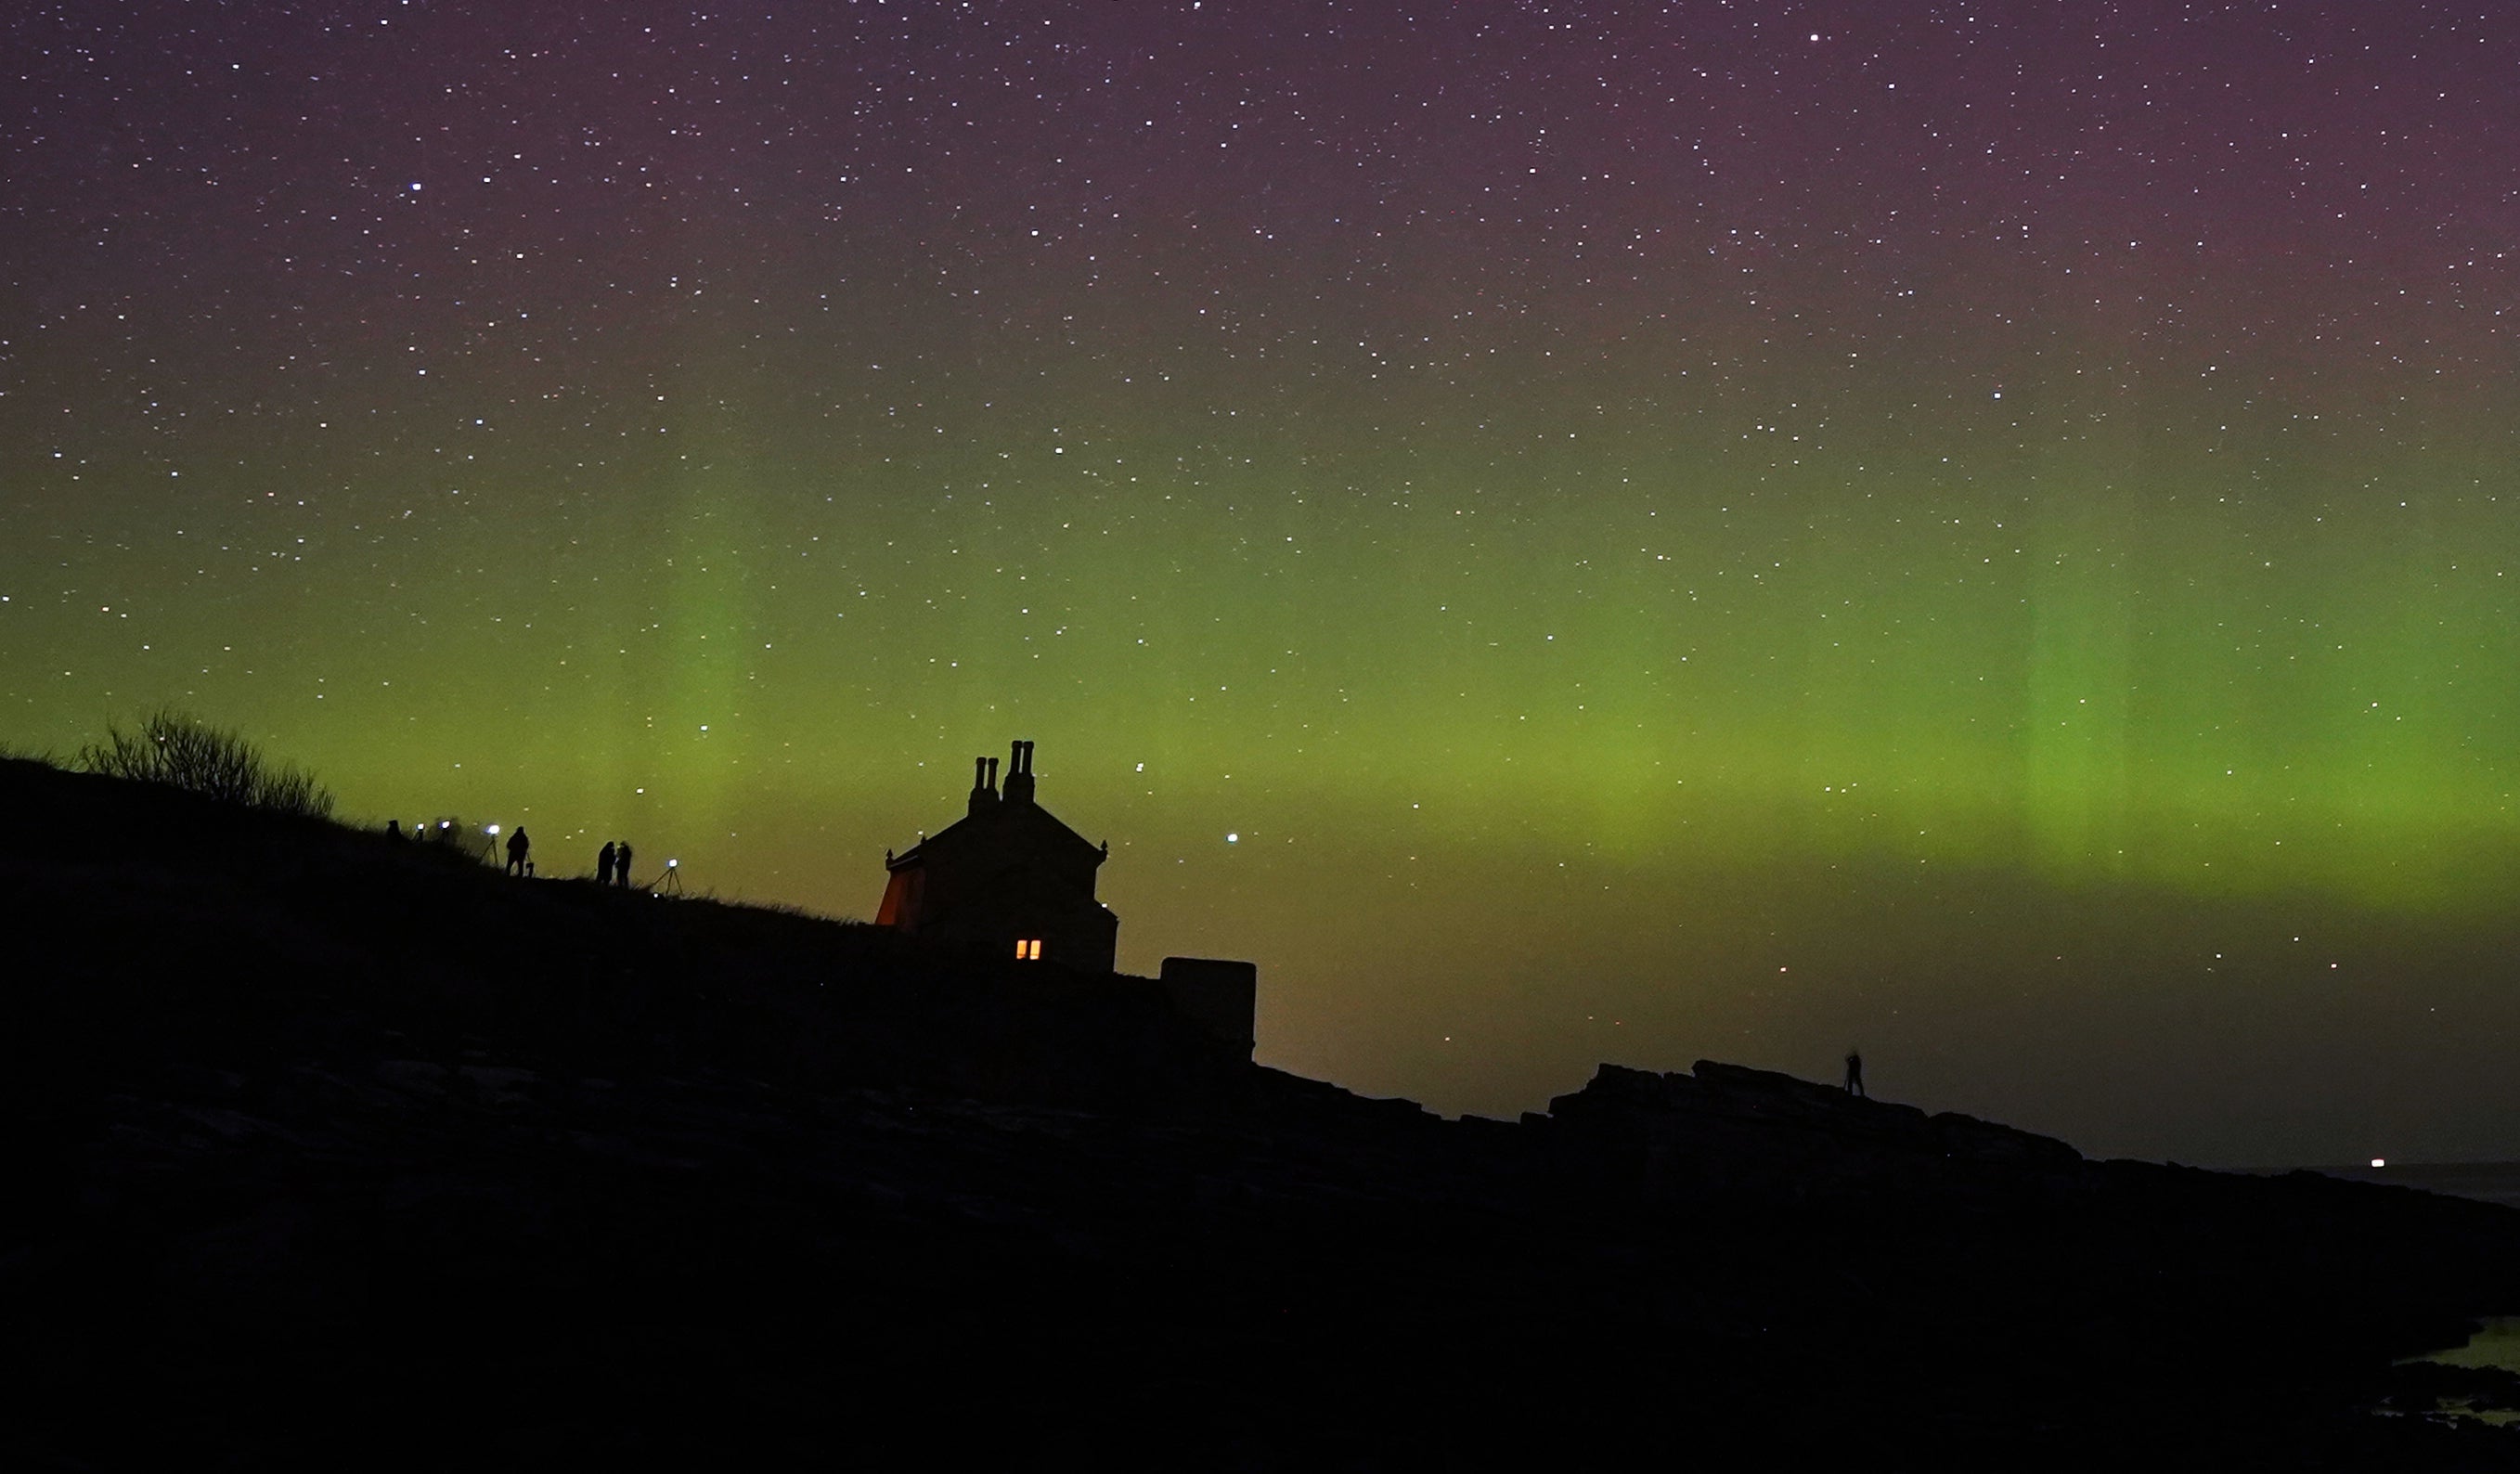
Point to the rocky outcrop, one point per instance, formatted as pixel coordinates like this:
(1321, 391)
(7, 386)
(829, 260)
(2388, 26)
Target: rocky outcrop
(1725, 1128)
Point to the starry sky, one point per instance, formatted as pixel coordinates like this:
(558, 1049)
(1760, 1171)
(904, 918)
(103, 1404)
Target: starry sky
(1977, 533)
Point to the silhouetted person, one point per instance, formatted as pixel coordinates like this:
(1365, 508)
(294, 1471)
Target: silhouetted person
(622, 864)
(604, 864)
(518, 845)
(393, 831)
(1855, 1074)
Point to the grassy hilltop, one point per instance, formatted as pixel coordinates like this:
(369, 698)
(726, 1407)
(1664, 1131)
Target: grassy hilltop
(171, 921)
(335, 1152)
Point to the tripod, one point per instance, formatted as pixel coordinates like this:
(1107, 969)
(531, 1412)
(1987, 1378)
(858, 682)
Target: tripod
(670, 883)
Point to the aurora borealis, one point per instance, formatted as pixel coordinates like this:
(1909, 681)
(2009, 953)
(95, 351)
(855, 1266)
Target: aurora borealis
(1713, 530)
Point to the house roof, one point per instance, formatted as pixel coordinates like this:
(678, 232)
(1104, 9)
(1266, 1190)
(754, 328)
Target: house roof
(1021, 823)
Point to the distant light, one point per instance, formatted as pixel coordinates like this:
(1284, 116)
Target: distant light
(447, 824)
(492, 829)
(1233, 839)
(672, 863)
(415, 186)
(2380, 1161)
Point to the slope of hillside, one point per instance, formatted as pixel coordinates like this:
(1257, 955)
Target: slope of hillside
(328, 1152)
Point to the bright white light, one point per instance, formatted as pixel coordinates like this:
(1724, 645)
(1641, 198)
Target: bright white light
(2380, 1161)
(672, 863)
(492, 829)
(1233, 839)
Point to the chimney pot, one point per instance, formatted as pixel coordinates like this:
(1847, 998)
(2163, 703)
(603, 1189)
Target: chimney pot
(1020, 773)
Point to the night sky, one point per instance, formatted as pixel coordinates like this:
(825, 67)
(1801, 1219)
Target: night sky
(1982, 533)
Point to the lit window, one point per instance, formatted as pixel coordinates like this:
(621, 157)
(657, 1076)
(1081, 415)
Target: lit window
(1028, 950)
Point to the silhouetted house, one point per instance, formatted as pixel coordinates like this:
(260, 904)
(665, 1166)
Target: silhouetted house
(1007, 879)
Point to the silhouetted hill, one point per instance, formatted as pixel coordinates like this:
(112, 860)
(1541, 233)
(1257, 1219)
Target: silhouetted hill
(329, 1152)
(168, 915)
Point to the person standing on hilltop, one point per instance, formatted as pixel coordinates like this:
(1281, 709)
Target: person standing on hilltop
(622, 864)
(519, 846)
(604, 864)
(1855, 1074)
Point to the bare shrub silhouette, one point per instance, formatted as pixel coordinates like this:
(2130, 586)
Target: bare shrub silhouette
(181, 751)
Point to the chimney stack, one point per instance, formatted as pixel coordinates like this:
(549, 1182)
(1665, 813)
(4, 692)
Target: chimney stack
(1020, 774)
(985, 783)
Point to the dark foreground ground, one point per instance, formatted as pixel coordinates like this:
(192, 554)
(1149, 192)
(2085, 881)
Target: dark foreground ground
(325, 1153)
